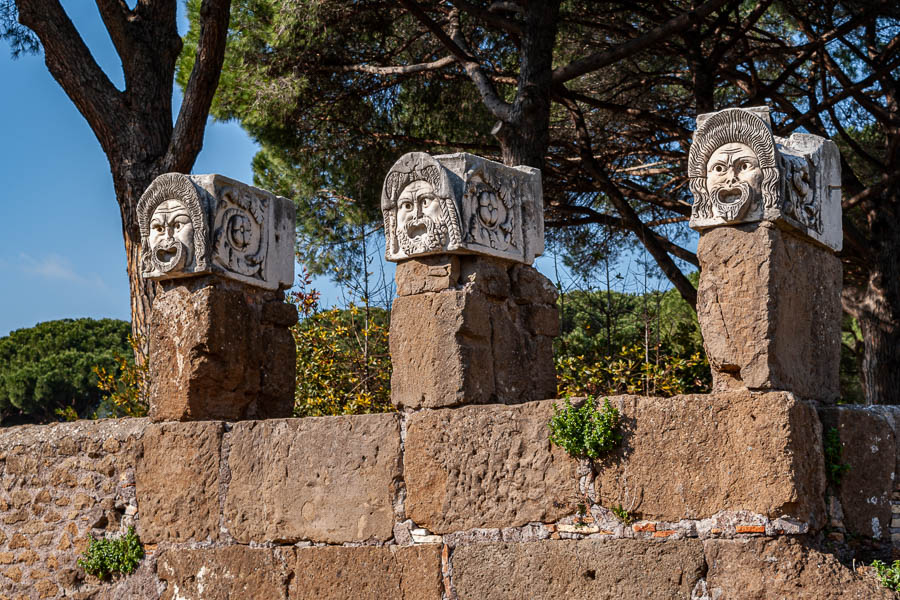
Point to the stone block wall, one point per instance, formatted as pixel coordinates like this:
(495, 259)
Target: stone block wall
(469, 502)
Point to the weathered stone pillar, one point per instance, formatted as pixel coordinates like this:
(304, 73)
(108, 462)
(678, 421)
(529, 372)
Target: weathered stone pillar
(769, 213)
(220, 345)
(473, 322)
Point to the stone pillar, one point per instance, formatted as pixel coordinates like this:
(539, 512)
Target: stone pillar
(220, 344)
(473, 322)
(769, 213)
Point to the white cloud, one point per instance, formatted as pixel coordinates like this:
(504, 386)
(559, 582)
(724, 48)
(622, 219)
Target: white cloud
(57, 268)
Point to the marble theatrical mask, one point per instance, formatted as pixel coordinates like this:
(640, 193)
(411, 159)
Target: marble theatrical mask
(733, 180)
(171, 237)
(421, 225)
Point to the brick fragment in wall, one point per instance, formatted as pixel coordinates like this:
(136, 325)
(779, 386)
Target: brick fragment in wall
(178, 482)
(869, 448)
(224, 572)
(471, 330)
(768, 324)
(578, 570)
(327, 479)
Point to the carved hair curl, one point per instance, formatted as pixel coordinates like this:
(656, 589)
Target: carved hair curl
(173, 186)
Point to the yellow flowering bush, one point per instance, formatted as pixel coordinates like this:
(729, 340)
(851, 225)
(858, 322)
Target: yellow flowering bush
(343, 365)
(630, 373)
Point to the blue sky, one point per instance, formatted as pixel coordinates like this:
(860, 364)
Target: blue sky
(62, 254)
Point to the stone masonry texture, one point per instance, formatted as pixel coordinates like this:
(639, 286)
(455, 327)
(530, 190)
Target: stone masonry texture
(769, 310)
(204, 497)
(486, 466)
(471, 330)
(319, 573)
(773, 569)
(178, 482)
(693, 456)
(61, 485)
(326, 479)
(869, 449)
(578, 570)
(220, 350)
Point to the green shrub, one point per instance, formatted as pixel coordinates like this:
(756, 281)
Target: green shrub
(48, 367)
(834, 467)
(889, 576)
(107, 557)
(585, 431)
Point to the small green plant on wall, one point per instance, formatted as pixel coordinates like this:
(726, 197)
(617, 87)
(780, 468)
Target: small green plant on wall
(889, 576)
(585, 431)
(623, 514)
(107, 557)
(834, 467)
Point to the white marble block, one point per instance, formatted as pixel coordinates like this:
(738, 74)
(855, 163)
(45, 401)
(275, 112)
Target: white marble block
(210, 224)
(740, 173)
(462, 204)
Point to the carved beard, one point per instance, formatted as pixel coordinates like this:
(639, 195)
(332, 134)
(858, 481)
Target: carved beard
(169, 255)
(731, 202)
(413, 240)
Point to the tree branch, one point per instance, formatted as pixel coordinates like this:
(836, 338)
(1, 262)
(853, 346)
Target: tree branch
(598, 60)
(485, 86)
(400, 70)
(187, 138)
(70, 62)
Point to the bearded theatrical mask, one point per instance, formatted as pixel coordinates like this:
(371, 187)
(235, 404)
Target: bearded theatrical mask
(734, 181)
(421, 225)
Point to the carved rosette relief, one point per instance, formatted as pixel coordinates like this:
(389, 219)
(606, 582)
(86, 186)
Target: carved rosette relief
(201, 224)
(490, 203)
(240, 245)
(739, 173)
(460, 203)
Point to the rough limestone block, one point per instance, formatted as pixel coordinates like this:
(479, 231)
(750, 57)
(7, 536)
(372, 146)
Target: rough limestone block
(325, 479)
(471, 330)
(579, 570)
(740, 173)
(769, 310)
(225, 572)
(694, 456)
(344, 573)
(869, 448)
(220, 350)
(486, 466)
(784, 567)
(462, 204)
(177, 479)
(209, 224)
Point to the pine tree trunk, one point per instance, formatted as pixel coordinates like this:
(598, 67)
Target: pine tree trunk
(525, 137)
